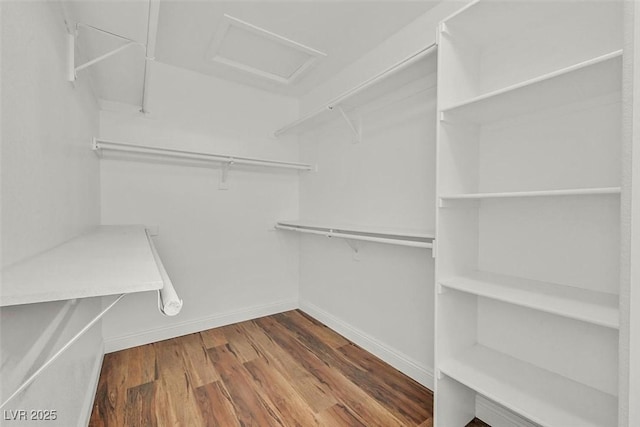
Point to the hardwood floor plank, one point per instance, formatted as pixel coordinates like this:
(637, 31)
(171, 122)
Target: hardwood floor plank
(111, 396)
(415, 395)
(241, 346)
(315, 394)
(427, 423)
(178, 404)
(141, 363)
(286, 399)
(216, 406)
(345, 391)
(328, 336)
(339, 416)
(141, 406)
(410, 413)
(249, 407)
(476, 422)
(197, 364)
(213, 337)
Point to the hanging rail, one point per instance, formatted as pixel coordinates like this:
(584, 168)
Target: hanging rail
(393, 239)
(103, 144)
(411, 59)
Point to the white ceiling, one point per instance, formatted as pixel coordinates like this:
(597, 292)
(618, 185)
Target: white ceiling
(343, 30)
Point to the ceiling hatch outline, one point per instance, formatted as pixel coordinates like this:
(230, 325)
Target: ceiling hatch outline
(234, 38)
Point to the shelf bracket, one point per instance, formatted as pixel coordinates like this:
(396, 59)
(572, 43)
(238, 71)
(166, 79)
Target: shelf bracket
(72, 71)
(355, 247)
(53, 358)
(224, 175)
(356, 127)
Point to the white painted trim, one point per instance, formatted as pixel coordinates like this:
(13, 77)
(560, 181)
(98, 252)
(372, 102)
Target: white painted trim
(402, 362)
(87, 405)
(498, 416)
(191, 326)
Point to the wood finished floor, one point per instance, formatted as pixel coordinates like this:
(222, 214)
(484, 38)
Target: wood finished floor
(282, 370)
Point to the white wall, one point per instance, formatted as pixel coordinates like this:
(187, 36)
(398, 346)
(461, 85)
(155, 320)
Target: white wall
(384, 301)
(219, 246)
(50, 193)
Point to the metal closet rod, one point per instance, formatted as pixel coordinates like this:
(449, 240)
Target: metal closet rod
(393, 240)
(103, 144)
(411, 59)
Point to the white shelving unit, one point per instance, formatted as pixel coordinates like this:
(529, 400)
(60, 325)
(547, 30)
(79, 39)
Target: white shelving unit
(108, 260)
(412, 238)
(528, 222)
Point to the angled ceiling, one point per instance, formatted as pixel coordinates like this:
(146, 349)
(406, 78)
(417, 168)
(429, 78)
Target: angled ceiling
(343, 30)
(287, 47)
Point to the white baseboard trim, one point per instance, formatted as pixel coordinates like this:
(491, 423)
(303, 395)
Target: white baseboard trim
(197, 325)
(87, 404)
(498, 416)
(403, 363)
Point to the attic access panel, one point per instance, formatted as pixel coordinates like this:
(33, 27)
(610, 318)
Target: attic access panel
(252, 49)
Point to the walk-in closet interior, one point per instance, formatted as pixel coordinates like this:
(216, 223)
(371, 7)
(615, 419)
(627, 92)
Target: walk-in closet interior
(320, 213)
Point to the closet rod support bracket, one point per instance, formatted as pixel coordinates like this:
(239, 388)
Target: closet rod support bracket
(355, 247)
(55, 356)
(72, 71)
(356, 127)
(224, 175)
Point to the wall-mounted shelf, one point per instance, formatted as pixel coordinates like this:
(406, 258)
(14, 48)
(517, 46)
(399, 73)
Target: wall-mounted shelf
(588, 79)
(594, 307)
(416, 239)
(105, 261)
(544, 397)
(393, 77)
(526, 194)
(108, 260)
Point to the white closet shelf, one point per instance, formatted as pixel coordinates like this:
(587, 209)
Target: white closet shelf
(402, 237)
(362, 93)
(579, 82)
(575, 303)
(521, 194)
(544, 397)
(108, 260)
(104, 144)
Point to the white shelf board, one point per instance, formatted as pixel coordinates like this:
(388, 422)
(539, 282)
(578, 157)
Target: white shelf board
(108, 260)
(575, 303)
(544, 397)
(403, 237)
(520, 194)
(582, 81)
(410, 69)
